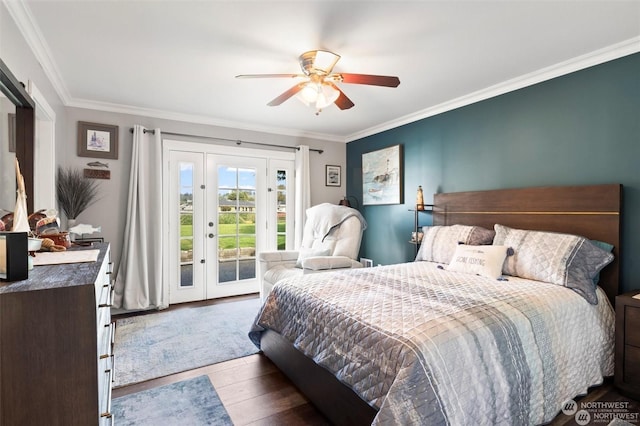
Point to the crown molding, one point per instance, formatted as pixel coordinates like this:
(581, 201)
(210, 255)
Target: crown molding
(609, 53)
(26, 23)
(198, 119)
(21, 14)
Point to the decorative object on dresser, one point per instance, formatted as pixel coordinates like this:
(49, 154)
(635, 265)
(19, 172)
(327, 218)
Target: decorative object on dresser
(13, 256)
(75, 193)
(56, 340)
(627, 373)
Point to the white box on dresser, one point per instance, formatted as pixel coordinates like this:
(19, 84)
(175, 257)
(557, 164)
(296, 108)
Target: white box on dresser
(56, 345)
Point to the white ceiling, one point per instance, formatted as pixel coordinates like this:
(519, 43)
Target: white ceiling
(178, 59)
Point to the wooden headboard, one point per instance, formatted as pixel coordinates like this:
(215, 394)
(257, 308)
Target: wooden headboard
(591, 211)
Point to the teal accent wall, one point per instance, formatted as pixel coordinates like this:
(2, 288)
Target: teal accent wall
(579, 129)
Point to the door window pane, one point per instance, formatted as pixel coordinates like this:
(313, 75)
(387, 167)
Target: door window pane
(186, 224)
(281, 196)
(236, 224)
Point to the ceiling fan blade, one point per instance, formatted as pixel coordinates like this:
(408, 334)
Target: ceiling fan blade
(286, 95)
(270, 75)
(342, 102)
(373, 80)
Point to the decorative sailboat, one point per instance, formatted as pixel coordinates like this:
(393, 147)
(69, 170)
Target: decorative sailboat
(20, 214)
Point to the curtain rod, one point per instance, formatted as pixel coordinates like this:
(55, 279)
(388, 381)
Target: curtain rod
(237, 141)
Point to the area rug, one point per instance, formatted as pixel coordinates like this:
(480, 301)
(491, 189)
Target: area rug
(190, 402)
(158, 344)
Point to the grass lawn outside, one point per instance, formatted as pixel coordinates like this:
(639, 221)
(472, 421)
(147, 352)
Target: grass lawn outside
(227, 236)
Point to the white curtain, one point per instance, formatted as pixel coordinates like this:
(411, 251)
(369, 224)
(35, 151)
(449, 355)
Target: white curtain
(139, 278)
(303, 192)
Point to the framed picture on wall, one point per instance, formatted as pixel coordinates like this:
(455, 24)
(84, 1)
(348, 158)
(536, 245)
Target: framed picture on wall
(97, 140)
(332, 176)
(382, 176)
(12, 132)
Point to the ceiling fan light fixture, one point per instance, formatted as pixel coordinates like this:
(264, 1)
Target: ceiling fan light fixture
(309, 93)
(318, 95)
(318, 89)
(326, 96)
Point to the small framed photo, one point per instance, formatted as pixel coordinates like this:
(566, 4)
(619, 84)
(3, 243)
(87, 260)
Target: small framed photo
(332, 176)
(97, 140)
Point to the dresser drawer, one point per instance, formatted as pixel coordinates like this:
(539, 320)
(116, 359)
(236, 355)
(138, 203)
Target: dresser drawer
(105, 340)
(105, 386)
(632, 325)
(103, 278)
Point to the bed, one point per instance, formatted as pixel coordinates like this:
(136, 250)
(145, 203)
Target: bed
(427, 343)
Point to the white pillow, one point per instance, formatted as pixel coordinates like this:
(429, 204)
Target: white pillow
(310, 252)
(479, 260)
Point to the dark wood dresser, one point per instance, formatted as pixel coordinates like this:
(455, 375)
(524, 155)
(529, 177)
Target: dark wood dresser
(627, 369)
(56, 345)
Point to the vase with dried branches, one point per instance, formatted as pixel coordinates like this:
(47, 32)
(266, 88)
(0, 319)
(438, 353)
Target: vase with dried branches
(75, 193)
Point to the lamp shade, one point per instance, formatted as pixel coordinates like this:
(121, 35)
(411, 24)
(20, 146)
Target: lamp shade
(318, 95)
(344, 202)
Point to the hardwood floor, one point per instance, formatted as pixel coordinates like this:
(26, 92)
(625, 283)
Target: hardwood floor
(254, 392)
(252, 389)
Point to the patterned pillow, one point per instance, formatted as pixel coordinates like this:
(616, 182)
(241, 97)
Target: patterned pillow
(479, 260)
(439, 242)
(568, 260)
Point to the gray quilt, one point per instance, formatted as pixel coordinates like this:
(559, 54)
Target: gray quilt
(427, 346)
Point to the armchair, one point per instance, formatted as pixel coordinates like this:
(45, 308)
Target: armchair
(331, 240)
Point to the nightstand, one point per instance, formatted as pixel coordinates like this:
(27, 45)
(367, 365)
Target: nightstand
(627, 361)
(427, 208)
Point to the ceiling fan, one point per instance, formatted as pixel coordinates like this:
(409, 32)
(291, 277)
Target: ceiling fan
(319, 87)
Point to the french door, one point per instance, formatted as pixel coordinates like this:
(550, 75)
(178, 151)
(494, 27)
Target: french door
(222, 212)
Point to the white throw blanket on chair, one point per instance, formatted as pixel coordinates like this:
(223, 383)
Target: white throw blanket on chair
(326, 216)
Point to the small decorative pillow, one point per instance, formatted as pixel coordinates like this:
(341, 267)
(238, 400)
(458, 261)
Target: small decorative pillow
(606, 247)
(479, 260)
(310, 252)
(564, 259)
(440, 242)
